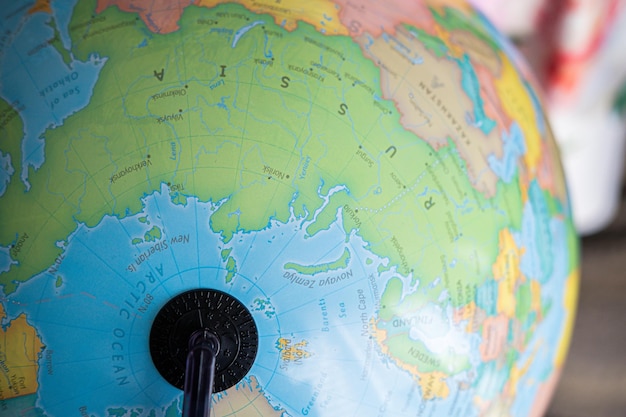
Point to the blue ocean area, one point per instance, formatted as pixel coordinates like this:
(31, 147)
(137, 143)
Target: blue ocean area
(34, 77)
(537, 261)
(492, 381)
(62, 11)
(542, 348)
(487, 297)
(321, 301)
(471, 86)
(100, 316)
(513, 148)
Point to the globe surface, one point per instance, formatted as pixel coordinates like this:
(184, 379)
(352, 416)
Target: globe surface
(374, 181)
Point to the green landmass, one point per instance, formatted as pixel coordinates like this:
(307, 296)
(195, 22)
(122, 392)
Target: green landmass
(20, 214)
(393, 304)
(382, 268)
(523, 300)
(59, 282)
(231, 267)
(224, 153)
(340, 263)
(267, 139)
(390, 298)
(231, 264)
(153, 234)
(573, 246)
(174, 409)
(144, 219)
(137, 241)
(179, 198)
(226, 253)
(12, 133)
(117, 412)
(57, 43)
(511, 356)
(264, 305)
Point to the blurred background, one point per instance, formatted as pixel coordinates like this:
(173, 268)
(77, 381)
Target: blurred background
(577, 50)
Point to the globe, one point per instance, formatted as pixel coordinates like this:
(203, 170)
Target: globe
(373, 184)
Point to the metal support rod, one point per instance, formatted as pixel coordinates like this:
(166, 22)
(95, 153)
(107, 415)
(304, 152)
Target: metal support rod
(200, 373)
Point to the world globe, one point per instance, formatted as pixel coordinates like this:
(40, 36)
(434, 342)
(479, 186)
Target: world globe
(366, 196)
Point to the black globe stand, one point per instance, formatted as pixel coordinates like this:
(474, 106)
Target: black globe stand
(203, 341)
(200, 373)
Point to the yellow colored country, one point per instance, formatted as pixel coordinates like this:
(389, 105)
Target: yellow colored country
(535, 292)
(570, 300)
(20, 348)
(454, 49)
(322, 14)
(456, 4)
(516, 375)
(518, 104)
(506, 271)
(292, 353)
(433, 385)
(467, 313)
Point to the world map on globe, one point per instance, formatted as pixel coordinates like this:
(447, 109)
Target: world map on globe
(375, 181)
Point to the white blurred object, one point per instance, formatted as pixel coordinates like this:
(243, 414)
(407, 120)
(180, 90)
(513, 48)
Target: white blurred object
(589, 72)
(515, 18)
(592, 150)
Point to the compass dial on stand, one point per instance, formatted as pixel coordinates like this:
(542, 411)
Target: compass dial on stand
(221, 314)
